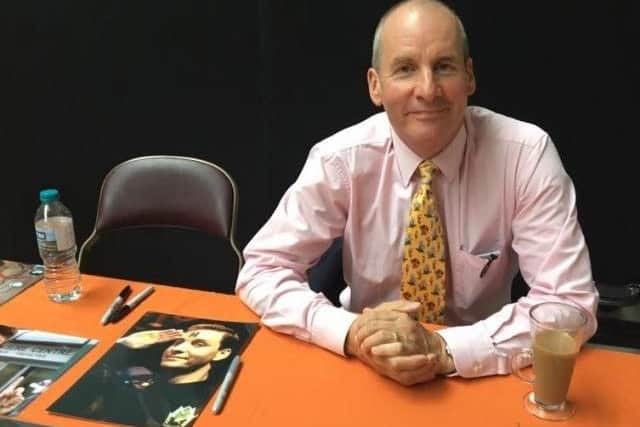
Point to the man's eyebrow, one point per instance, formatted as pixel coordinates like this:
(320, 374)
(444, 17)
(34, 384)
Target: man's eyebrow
(446, 58)
(401, 60)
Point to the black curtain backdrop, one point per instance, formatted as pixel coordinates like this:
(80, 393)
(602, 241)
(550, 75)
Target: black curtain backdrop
(253, 85)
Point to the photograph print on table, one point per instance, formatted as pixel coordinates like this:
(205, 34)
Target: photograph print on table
(30, 360)
(15, 277)
(159, 373)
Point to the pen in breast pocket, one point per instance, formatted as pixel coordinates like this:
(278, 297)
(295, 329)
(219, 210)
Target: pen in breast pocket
(490, 258)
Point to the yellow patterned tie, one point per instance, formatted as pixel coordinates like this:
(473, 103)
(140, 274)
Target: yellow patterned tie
(423, 263)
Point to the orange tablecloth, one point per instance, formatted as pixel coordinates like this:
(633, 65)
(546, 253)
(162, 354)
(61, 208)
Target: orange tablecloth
(287, 382)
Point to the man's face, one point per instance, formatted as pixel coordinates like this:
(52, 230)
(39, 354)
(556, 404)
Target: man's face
(195, 348)
(423, 81)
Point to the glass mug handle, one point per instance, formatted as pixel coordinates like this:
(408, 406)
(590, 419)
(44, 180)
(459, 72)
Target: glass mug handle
(518, 360)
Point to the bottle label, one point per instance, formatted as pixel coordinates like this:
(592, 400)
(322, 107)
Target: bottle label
(55, 234)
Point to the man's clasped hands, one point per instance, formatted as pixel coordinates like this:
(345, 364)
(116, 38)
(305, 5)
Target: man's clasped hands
(390, 340)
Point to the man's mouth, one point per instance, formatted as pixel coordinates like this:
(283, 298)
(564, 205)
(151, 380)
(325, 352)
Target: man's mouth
(426, 113)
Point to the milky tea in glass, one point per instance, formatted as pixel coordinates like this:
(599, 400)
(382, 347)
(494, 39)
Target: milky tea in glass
(557, 331)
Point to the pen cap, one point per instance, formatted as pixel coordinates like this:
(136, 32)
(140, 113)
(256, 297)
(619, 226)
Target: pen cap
(132, 303)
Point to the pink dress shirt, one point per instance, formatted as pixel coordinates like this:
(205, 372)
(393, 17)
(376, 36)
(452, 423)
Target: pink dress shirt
(502, 192)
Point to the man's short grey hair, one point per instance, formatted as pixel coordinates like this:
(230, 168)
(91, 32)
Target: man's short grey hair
(377, 37)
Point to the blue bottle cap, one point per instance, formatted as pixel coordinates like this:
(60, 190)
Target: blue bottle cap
(49, 195)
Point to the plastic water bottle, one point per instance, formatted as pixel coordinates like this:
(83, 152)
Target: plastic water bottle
(57, 247)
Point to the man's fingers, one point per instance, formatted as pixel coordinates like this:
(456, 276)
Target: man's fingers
(369, 328)
(9, 404)
(17, 394)
(388, 315)
(406, 370)
(169, 334)
(413, 362)
(14, 401)
(385, 350)
(403, 306)
(425, 373)
(382, 319)
(381, 336)
(409, 306)
(15, 383)
(396, 351)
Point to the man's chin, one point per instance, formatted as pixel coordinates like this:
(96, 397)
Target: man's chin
(422, 136)
(173, 365)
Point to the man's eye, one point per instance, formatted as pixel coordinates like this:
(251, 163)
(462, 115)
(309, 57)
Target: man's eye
(405, 69)
(444, 68)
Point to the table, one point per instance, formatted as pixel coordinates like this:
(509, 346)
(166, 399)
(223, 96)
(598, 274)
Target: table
(284, 381)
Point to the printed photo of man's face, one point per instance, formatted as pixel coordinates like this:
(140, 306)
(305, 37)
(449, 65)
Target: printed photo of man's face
(196, 348)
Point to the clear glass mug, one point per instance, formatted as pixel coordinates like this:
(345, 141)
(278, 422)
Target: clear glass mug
(557, 333)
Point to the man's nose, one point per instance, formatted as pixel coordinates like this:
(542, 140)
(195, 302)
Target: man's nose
(427, 86)
(178, 348)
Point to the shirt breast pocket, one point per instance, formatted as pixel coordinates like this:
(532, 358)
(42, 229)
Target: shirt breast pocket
(476, 263)
(476, 276)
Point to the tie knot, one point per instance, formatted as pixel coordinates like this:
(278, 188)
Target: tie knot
(427, 171)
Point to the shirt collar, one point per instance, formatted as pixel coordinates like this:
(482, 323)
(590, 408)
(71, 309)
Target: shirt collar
(448, 160)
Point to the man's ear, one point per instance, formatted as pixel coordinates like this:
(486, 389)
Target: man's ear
(222, 354)
(375, 91)
(471, 77)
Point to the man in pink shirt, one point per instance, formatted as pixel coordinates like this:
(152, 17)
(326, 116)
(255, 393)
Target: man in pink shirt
(503, 196)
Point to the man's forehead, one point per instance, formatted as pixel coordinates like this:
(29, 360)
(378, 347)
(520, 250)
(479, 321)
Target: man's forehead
(436, 27)
(204, 333)
(416, 11)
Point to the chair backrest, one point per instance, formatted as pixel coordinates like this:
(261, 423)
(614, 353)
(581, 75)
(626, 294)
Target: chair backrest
(159, 200)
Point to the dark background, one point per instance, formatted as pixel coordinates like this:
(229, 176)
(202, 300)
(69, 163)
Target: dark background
(252, 85)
